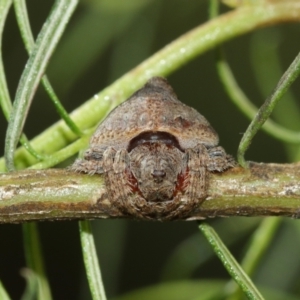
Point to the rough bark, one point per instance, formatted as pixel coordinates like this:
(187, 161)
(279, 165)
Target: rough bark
(58, 194)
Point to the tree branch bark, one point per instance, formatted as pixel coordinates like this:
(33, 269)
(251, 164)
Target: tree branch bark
(58, 194)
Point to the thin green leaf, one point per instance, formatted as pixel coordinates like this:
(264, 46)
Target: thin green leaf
(229, 262)
(238, 97)
(4, 94)
(24, 25)
(164, 62)
(181, 266)
(266, 62)
(34, 259)
(35, 68)
(32, 75)
(31, 289)
(213, 9)
(260, 242)
(280, 266)
(5, 101)
(266, 109)
(267, 67)
(65, 153)
(3, 293)
(90, 259)
(26, 144)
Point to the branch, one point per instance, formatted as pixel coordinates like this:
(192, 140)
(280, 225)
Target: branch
(58, 194)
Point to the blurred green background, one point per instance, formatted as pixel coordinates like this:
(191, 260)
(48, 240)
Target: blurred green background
(104, 40)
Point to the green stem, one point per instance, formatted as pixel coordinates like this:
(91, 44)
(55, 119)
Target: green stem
(3, 293)
(4, 94)
(26, 33)
(164, 62)
(267, 68)
(34, 70)
(5, 101)
(213, 9)
(64, 153)
(90, 259)
(259, 244)
(31, 242)
(266, 109)
(238, 97)
(32, 284)
(229, 262)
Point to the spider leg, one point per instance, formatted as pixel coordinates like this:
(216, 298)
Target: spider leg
(219, 160)
(196, 182)
(91, 164)
(120, 183)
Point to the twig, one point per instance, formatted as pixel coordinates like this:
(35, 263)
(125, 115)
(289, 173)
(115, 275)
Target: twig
(58, 194)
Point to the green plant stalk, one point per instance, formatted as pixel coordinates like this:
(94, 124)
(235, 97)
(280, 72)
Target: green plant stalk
(213, 9)
(259, 244)
(91, 261)
(34, 259)
(180, 266)
(264, 60)
(266, 109)
(34, 70)
(4, 94)
(257, 247)
(5, 101)
(31, 238)
(6, 106)
(64, 153)
(31, 284)
(3, 293)
(238, 97)
(26, 33)
(229, 262)
(164, 62)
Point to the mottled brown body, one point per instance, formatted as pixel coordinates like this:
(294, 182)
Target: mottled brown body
(155, 153)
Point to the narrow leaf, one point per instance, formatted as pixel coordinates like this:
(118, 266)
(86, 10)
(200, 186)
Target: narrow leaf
(229, 262)
(90, 258)
(34, 70)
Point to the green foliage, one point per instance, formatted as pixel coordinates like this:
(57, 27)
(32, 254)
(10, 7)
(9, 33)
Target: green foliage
(113, 44)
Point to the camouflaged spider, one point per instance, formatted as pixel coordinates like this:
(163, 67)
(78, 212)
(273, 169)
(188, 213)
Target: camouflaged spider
(155, 154)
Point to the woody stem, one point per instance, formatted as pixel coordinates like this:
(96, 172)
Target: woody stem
(57, 194)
